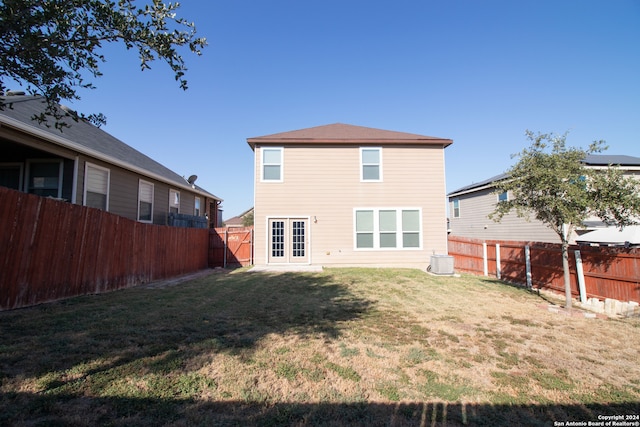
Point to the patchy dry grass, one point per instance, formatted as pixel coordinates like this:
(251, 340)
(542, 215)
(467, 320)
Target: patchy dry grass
(346, 346)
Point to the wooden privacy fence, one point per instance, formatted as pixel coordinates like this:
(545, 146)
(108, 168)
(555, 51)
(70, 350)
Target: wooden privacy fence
(612, 273)
(231, 247)
(51, 250)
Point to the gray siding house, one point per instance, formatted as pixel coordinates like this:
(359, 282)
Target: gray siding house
(85, 165)
(470, 206)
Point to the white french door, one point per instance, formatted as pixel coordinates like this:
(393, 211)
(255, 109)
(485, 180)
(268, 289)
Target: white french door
(288, 241)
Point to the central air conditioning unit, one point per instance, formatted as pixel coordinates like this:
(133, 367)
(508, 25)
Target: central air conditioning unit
(441, 264)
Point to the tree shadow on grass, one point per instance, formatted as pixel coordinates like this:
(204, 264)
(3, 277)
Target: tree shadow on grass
(28, 409)
(224, 312)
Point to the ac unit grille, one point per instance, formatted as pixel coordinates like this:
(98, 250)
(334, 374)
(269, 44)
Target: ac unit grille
(441, 264)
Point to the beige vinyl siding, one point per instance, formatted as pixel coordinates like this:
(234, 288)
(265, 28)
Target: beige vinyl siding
(323, 183)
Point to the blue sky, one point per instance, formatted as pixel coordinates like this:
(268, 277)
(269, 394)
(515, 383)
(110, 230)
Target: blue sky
(477, 72)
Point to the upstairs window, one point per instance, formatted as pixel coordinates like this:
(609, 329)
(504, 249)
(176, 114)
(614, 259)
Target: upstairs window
(174, 201)
(503, 197)
(456, 208)
(145, 201)
(96, 187)
(371, 164)
(272, 164)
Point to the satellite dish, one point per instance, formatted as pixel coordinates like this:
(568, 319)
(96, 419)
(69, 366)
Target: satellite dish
(192, 179)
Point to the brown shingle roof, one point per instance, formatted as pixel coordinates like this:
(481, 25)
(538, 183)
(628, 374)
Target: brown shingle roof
(338, 133)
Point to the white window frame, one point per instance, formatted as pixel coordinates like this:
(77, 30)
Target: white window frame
(399, 231)
(455, 208)
(140, 183)
(506, 196)
(363, 164)
(263, 164)
(171, 204)
(30, 162)
(197, 206)
(88, 165)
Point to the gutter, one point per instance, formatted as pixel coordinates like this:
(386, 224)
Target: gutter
(63, 142)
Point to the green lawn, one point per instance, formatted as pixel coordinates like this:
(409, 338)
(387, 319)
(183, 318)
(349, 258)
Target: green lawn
(345, 346)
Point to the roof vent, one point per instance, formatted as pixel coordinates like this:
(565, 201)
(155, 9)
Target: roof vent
(14, 93)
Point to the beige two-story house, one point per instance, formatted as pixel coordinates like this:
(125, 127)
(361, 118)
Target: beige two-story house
(344, 195)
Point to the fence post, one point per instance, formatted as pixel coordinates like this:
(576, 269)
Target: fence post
(527, 261)
(484, 259)
(251, 249)
(580, 274)
(498, 272)
(226, 245)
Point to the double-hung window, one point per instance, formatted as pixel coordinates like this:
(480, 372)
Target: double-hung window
(271, 164)
(387, 228)
(196, 207)
(174, 201)
(96, 187)
(371, 164)
(145, 201)
(456, 208)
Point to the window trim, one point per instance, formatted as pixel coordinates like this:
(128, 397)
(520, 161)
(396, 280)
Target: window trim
(400, 230)
(30, 162)
(506, 197)
(88, 165)
(263, 164)
(456, 209)
(379, 164)
(171, 205)
(140, 182)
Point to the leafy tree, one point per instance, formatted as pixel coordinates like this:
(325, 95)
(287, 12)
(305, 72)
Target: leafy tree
(247, 220)
(53, 46)
(551, 182)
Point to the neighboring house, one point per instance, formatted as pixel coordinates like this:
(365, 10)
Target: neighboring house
(470, 206)
(349, 195)
(85, 165)
(240, 220)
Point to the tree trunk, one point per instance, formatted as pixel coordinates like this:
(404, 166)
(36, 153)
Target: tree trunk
(565, 268)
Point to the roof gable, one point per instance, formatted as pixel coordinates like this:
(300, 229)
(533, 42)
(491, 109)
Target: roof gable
(340, 133)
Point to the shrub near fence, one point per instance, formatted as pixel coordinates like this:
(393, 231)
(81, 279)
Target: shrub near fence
(612, 273)
(51, 250)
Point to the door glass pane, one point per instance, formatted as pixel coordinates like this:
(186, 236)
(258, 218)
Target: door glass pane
(298, 238)
(277, 239)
